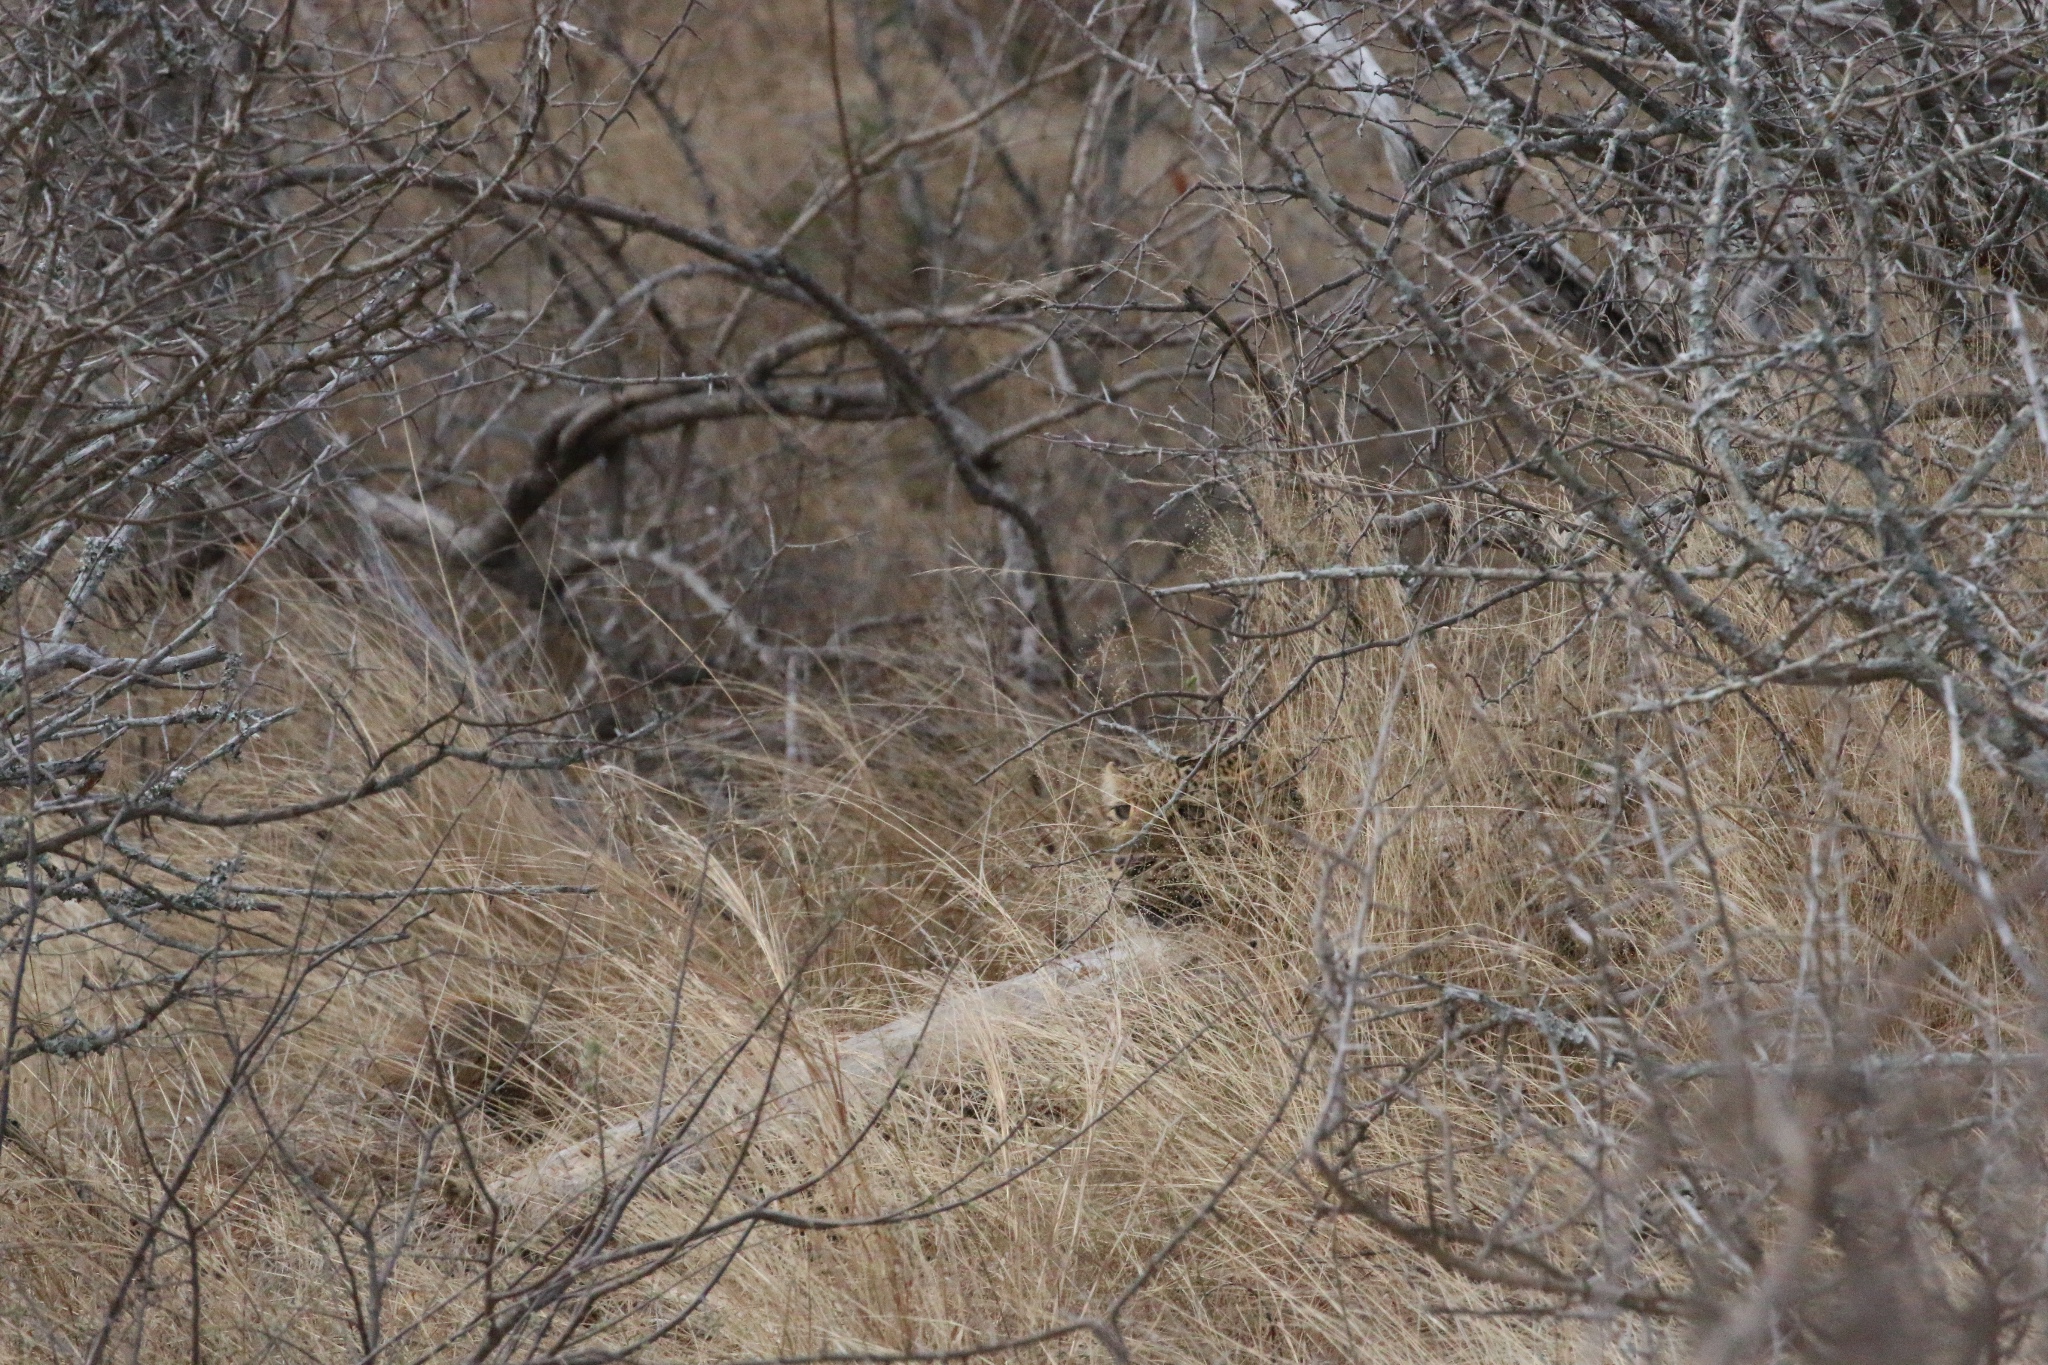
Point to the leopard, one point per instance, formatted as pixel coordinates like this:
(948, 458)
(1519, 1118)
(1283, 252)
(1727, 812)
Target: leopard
(1170, 824)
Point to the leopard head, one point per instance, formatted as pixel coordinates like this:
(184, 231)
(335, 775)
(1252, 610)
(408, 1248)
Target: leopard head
(1171, 826)
(1141, 816)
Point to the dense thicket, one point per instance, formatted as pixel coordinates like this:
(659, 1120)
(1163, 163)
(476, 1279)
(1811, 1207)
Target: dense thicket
(571, 570)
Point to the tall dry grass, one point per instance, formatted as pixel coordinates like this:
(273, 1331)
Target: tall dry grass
(861, 883)
(628, 926)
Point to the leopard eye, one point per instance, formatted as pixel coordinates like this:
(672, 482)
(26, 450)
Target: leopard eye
(1121, 811)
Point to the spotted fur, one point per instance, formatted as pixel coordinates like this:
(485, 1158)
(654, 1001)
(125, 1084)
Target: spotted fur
(1163, 819)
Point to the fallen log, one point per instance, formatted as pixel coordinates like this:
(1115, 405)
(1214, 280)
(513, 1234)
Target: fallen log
(859, 1071)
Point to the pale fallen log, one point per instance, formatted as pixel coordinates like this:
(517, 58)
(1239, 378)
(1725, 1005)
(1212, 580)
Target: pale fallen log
(936, 1042)
(939, 1041)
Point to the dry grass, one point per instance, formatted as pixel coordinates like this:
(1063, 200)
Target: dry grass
(864, 880)
(877, 869)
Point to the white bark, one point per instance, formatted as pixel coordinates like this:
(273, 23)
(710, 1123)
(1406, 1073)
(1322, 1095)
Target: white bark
(1370, 88)
(1462, 213)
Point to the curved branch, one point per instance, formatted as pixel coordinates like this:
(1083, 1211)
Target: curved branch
(559, 457)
